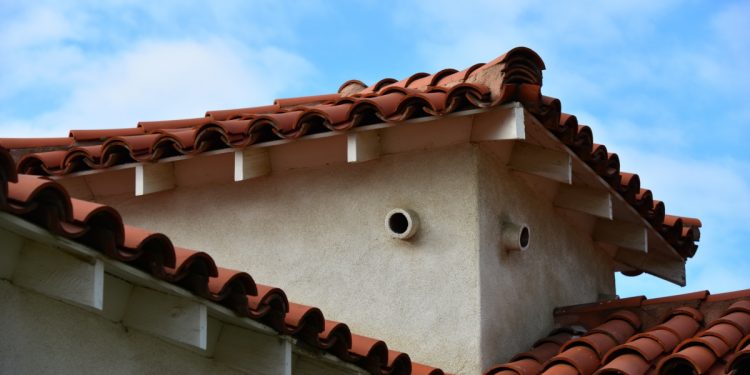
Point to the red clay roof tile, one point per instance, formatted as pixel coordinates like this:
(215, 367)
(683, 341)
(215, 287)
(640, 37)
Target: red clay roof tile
(514, 76)
(306, 101)
(682, 343)
(102, 134)
(15, 143)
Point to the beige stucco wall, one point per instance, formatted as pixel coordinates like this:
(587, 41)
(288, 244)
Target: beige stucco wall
(39, 335)
(319, 234)
(449, 297)
(519, 290)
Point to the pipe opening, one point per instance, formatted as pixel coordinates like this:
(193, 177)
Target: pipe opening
(515, 236)
(401, 223)
(524, 240)
(398, 223)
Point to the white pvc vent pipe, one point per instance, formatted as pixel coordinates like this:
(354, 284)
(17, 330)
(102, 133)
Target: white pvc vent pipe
(402, 223)
(515, 236)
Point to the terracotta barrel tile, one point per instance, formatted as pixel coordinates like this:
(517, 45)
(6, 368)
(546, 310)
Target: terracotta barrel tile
(82, 210)
(335, 333)
(366, 346)
(183, 138)
(410, 79)
(521, 367)
(699, 296)
(304, 322)
(583, 358)
(420, 369)
(156, 249)
(228, 114)
(351, 87)
(103, 134)
(378, 85)
(648, 348)
(372, 354)
(601, 343)
(541, 353)
(435, 100)
(629, 364)
(27, 189)
(740, 361)
(17, 143)
(689, 311)
(188, 261)
(150, 126)
(618, 329)
(740, 320)
(726, 332)
(464, 74)
(229, 278)
(283, 123)
(297, 313)
(334, 114)
(51, 160)
(681, 325)
(666, 339)
(441, 76)
(697, 357)
(627, 316)
(558, 338)
(561, 369)
(418, 81)
(745, 293)
(306, 100)
(386, 105)
(269, 306)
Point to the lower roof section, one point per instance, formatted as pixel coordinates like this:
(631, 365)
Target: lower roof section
(695, 333)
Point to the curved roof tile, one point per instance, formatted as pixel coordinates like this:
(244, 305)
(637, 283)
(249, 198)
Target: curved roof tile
(676, 338)
(513, 76)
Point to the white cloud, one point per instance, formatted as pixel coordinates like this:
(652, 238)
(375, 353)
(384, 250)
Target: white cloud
(670, 105)
(717, 192)
(479, 30)
(156, 80)
(92, 65)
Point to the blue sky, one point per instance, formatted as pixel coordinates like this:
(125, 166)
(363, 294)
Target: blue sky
(662, 83)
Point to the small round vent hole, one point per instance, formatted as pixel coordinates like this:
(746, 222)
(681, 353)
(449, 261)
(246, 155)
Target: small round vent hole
(401, 223)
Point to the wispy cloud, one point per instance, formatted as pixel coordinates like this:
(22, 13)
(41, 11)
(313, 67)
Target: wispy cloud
(60, 65)
(162, 80)
(668, 96)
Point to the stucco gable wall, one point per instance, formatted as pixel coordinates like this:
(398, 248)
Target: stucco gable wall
(319, 233)
(519, 290)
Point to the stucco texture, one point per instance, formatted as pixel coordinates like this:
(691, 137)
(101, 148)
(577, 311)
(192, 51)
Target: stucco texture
(450, 297)
(520, 289)
(44, 336)
(319, 234)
